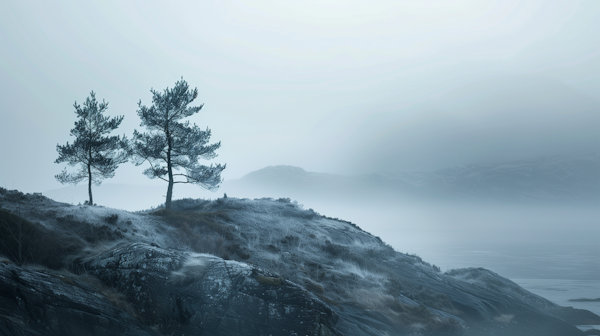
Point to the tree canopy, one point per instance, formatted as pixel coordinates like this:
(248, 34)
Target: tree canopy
(171, 144)
(97, 154)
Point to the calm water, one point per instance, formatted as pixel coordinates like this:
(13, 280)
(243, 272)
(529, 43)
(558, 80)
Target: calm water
(515, 241)
(552, 251)
(536, 260)
(560, 291)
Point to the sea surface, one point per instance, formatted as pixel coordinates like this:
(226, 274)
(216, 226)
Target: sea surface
(552, 251)
(515, 241)
(560, 291)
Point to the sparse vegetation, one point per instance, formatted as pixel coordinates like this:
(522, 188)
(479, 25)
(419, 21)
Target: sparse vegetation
(313, 286)
(269, 281)
(24, 241)
(205, 232)
(332, 267)
(112, 219)
(89, 233)
(335, 270)
(334, 260)
(278, 235)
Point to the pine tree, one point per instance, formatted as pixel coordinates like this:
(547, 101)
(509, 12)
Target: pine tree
(97, 154)
(171, 144)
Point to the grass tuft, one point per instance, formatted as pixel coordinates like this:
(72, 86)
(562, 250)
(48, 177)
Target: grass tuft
(202, 221)
(23, 241)
(112, 219)
(205, 232)
(269, 281)
(313, 286)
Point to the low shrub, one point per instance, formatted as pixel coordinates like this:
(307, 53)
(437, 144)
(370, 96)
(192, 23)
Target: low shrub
(24, 241)
(336, 250)
(292, 210)
(313, 287)
(112, 219)
(14, 195)
(269, 281)
(200, 221)
(236, 249)
(205, 232)
(188, 204)
(86, 231)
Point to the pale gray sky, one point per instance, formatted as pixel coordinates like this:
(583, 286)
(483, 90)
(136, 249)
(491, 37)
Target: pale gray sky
(344, 87)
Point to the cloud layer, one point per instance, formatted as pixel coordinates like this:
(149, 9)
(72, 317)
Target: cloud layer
(341, 87)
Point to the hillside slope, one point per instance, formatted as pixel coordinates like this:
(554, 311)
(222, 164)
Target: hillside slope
(242, 267)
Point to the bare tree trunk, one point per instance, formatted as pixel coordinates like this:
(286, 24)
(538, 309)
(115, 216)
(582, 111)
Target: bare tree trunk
(170, 170)
(169, 190)
(90, 184)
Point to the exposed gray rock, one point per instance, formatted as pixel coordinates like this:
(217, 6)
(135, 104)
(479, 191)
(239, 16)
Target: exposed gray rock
(43, 303)
(183, 293)
(149, 282)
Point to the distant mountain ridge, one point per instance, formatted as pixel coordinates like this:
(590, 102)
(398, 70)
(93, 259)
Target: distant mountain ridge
(574, 179)
(546, 179)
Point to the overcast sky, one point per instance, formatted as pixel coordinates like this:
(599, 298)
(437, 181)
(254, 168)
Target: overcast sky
(346, 87)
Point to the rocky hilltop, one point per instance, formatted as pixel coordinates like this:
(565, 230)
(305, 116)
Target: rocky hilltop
(239, 267)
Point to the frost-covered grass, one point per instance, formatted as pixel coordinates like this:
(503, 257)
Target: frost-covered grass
(504, 318)
(334, 259)
(35, 229)
(205, 232)
(487, 279)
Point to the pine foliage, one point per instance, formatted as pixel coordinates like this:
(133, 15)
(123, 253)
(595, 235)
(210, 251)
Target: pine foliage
(172, 144)
(97, 154)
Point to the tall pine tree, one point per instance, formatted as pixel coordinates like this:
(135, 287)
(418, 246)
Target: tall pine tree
(172, 144)
(97, 154)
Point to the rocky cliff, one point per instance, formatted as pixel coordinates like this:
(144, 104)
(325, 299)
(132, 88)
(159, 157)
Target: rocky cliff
(239, 267)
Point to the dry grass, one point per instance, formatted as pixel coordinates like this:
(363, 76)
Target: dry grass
(269, 281)
(24, 241)
(205, 232)
(111, 294)
(198, 221)
(313, 286)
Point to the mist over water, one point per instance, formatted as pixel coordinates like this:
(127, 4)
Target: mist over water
(512, 240)
(555, 237)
